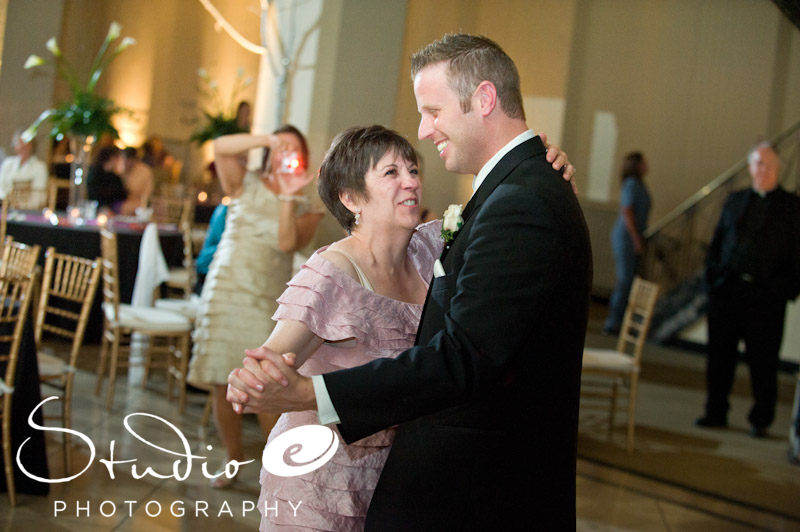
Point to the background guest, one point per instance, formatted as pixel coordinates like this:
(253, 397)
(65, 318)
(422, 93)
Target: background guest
(268, 220)
(137, 178)
(752, 270)
(243, 112)
(24, 167)
(627, 241)
(104, 184)
(216, 226)
(159, 159)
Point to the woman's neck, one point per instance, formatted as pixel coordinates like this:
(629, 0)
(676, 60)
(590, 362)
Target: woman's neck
(382, 251)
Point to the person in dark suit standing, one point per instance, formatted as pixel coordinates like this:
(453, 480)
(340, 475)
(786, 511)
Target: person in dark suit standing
(752, 270)
(487, 400)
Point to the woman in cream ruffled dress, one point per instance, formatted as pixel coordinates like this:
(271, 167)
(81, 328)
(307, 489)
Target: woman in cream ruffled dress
(268, 220)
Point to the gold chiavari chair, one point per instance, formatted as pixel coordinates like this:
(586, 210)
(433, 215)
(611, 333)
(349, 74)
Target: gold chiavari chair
(3, 222)
(68, 288)
(54, 184)
(183, 277)
(19, 197)
(18, 259)
(168, 332)
(167, 209)
(15, 298)
(605, 370)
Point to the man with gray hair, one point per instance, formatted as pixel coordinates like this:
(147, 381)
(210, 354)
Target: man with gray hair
(752, 270)
(26, 170)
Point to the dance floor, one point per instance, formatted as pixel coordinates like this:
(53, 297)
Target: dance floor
(679, 477)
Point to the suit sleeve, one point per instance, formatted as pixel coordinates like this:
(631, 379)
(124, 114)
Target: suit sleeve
(713, 272)
(514, 263)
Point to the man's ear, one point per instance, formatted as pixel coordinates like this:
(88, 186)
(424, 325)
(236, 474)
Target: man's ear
(485, 97)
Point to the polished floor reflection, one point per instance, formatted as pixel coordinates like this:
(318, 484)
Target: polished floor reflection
(609, 497)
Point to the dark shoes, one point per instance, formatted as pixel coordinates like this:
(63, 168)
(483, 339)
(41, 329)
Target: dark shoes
(758, 432)
(711, 422)
(610, 331)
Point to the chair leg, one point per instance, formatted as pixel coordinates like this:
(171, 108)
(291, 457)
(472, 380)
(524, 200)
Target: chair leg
(613, 410)
(632, 409)
(183, 362)
(101, 367)
(112, 374)
(148, 358)
(9, 465)
(173, 352)
(67, 419)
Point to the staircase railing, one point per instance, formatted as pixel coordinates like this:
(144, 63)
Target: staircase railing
(677, 243)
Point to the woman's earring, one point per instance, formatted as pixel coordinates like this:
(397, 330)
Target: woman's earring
(358, 217)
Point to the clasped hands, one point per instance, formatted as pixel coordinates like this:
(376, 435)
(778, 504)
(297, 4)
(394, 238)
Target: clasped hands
(269, 382)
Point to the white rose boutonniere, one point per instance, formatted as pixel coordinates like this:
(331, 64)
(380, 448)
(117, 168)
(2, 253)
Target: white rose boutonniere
(451, 222)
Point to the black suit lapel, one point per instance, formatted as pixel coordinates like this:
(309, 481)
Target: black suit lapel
(529, 148)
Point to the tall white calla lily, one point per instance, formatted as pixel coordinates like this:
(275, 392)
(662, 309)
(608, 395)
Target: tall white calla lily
(52, 45)
(86, 113)
(33, 61)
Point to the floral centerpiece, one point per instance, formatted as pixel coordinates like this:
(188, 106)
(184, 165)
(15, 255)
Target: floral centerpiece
(221, 118)
(86, 113)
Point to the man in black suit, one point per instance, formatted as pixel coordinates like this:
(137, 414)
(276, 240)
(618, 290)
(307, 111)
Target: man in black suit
(752, 270)
(487, 401)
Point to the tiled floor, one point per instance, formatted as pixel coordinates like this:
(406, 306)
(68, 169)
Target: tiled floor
(609, 499)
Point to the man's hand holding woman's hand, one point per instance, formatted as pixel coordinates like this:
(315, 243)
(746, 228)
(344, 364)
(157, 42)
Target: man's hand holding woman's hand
(268, 382)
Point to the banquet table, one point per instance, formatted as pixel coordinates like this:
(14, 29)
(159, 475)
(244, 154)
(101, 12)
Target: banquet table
(26, 397)
(82, 238)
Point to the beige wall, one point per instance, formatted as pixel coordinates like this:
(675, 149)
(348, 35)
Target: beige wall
(536, 34)
(28, 26)
(691, 83)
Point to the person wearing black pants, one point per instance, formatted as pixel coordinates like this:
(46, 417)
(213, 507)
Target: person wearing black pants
(752, 270)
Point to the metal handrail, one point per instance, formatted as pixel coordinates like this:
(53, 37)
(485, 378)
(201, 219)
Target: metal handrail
(713, 185)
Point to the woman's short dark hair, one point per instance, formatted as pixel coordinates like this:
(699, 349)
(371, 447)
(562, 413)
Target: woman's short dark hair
(632, 165)
(352, 153)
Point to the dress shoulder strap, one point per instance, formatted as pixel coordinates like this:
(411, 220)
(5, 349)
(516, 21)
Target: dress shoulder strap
(362, 277)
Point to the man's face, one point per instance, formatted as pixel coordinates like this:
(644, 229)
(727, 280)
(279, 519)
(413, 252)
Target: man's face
(455, 134)
(23, 149)
(764, 167)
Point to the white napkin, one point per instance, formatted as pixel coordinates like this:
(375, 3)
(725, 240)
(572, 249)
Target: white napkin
(438, 269)
(152, 270)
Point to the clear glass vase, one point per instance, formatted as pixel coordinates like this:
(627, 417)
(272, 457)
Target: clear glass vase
(80, 146)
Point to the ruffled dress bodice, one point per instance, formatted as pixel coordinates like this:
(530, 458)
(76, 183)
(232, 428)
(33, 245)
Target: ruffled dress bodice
(365, 326)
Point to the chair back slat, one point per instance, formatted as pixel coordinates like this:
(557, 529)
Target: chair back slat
(636, 323)
(110, 263)
(15, 298)
(18, 259)
(69, 285)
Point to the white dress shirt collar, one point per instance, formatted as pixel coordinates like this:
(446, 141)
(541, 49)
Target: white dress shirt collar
(491, 163)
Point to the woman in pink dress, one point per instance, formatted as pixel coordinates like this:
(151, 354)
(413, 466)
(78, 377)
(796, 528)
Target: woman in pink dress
(358, 299)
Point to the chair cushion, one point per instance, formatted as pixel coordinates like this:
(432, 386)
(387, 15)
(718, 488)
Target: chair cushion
(185, 307)
(179, 276)
(50, 365)
(147, 319)
(608, 359)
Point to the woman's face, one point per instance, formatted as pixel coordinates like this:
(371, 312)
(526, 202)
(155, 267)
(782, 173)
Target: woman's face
(394, 190)
(288, 144)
